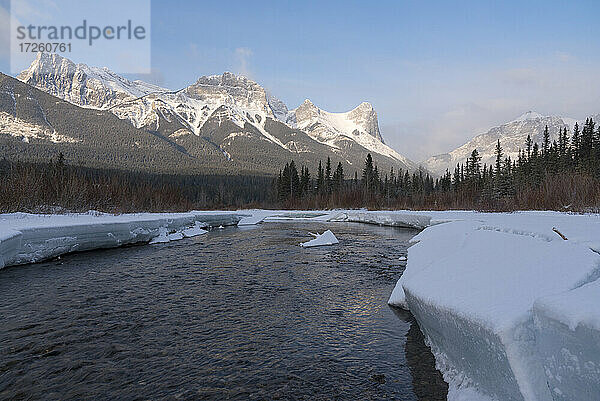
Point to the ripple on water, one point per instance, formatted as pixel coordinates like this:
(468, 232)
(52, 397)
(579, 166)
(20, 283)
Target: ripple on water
(236, 313)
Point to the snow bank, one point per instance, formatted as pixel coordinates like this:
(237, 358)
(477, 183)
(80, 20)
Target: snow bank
(567, 330)
(28, 238)
(472, 285)
(327, 238)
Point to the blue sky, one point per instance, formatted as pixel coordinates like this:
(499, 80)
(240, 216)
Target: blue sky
(436, 72)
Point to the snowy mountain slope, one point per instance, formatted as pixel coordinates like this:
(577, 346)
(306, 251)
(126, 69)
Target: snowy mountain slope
(37, 126)
(226, 97)
(512, 137)
(359, 125)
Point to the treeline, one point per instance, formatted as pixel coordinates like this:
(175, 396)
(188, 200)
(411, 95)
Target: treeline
(561, 174)
(57, 186)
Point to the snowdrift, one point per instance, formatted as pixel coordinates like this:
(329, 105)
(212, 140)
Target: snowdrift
(28, 238)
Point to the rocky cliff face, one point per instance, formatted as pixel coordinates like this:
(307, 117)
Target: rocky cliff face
(81, 84)
(232, 90)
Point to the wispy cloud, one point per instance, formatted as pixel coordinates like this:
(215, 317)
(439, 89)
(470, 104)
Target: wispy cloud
(242, 56)
(193, 50)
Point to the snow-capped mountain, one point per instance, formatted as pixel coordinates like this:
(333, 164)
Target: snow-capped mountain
(512, 137)
(142, 103)
(334, 129)
(227, 114)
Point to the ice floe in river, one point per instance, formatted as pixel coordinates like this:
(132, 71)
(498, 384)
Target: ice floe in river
(327, 238)
(28, 238)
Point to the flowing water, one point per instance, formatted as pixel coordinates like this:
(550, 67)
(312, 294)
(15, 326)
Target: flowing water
(238, 313)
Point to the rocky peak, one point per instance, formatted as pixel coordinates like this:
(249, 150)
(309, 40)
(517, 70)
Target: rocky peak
(306, 111)
(364, 115)
(81, 84)
(232, 89)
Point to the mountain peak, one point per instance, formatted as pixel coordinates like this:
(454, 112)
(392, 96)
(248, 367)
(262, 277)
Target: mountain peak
(512, 136)
(360, 124)
(364, 106)
(228, 78)
(46, 63)
(530, 115)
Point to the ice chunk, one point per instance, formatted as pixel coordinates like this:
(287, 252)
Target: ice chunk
(327, 238)
(198, 229)
(162, 237)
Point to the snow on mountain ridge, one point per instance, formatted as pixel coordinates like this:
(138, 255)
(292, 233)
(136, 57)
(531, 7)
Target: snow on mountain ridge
(359, 124)
(246, 102)
(82, 84)
(512, 137)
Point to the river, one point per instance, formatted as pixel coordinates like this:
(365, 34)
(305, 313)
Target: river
(238, 313)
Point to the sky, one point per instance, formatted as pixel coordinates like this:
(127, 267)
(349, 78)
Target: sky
(437, 72)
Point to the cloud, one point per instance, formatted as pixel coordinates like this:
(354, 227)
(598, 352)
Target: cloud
(242, 56)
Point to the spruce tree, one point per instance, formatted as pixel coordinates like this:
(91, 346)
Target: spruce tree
(367, 176)
(320, 179)
(498, 170)
(328, 175)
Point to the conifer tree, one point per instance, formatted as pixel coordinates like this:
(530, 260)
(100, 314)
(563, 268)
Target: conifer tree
(320, 179)
(368, 173)
(328, 175)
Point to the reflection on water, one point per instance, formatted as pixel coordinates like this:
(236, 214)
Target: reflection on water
(428, 383)
(235, 314)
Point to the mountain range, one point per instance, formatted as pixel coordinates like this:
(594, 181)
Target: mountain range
(219, 124)
(512, 136)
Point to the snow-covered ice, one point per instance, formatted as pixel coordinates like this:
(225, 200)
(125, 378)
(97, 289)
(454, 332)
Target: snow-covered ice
(327, 238)
(387, 218)
(28, 238)
(472, 281)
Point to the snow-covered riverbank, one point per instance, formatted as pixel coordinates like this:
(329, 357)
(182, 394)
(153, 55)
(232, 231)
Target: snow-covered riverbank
(28, 238)
(510, 309)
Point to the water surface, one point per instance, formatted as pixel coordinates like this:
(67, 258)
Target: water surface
(239, 313)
